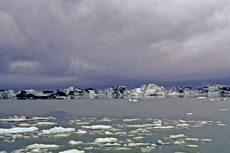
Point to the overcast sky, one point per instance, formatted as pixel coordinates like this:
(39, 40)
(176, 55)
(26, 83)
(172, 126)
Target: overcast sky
(49, 44)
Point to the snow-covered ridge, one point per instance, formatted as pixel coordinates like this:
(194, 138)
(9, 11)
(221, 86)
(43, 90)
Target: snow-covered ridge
(146, 90)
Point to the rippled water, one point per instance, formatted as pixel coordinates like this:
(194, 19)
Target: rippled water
(203, 119)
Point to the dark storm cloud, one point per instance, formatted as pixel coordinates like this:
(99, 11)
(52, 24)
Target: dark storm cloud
(102, 43)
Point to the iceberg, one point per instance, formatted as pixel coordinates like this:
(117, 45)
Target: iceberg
(105, 140)
(152, 90)
(72, 151)
(24, 119)
(42, 146)
(97, 127)
(57, 130)
(178, 136)
(72, 142)
(17, 130)
(138, 144)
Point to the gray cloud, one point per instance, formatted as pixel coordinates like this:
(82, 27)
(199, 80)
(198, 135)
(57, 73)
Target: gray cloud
(101, 43)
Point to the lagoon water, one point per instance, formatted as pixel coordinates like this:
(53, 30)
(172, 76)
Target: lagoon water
(204, 123)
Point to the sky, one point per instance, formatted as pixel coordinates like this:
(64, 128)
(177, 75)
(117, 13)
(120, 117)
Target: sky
(46, 44)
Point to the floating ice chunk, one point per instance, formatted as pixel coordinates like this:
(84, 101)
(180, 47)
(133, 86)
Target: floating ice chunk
(112, 144)
(138, 138)
(82, 123)
(138, 144)
(178, 136)
(147, 149)
(42, 146)
(3, 152)
(159, 143)
(222, 99)
(46, 123)
(25, 125)
(192, 139)
(192, 146)
(97, 127)
(223, 109)
(182, 121)
(189, 113)
(163, 127)
(136, 126)
(72, 151)
(108, 133)
(105, 119)
(61, 135)
(179, 143)
(182, 125)
(23, 119)
(130, 120)
(81, 131)
(221, 124)
(57, 130)
(122, 148)
(17, 136)
(18, 130)
(206, 140)
(201, 97)
(105, 140)
(72, 142)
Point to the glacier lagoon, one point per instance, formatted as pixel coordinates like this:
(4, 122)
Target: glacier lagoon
(117, 125)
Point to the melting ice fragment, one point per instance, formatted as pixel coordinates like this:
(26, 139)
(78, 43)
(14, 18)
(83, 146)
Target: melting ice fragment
(72, 151)
(18, 130)
(105, 140)
(138, 144)
(42, 146)
(72, 142)
(178, 136)
(97, 127)
(57, 130)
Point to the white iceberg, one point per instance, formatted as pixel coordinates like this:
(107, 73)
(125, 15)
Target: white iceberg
(192, 139)
(42, 146)
(112, 144)
(163, 127)
(72, 151)
(57, 130)
(81, 131)
(46, 123)
(206, 140)
(97, 127)
(105, 140)
(152, 90)
(182, 125)
(192, 146)
(72, 142)
(18, 130)
(138, 144)
(178, 136)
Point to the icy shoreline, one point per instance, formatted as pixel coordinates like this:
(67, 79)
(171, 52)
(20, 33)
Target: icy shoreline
(149, 90)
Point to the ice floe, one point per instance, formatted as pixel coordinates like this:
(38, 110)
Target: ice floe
(72, 142)
(138, 144)
(105, 140)
(72, 151)
(178, 136)
(42, 146)
(24, 119)
(97, 127)
(57, 130)
(17, 130)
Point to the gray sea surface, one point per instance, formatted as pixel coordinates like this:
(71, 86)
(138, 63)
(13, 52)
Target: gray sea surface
(204, 124)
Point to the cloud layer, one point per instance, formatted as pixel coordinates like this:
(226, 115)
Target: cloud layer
(100, 43)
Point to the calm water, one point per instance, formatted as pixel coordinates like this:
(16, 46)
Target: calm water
(69, 113)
